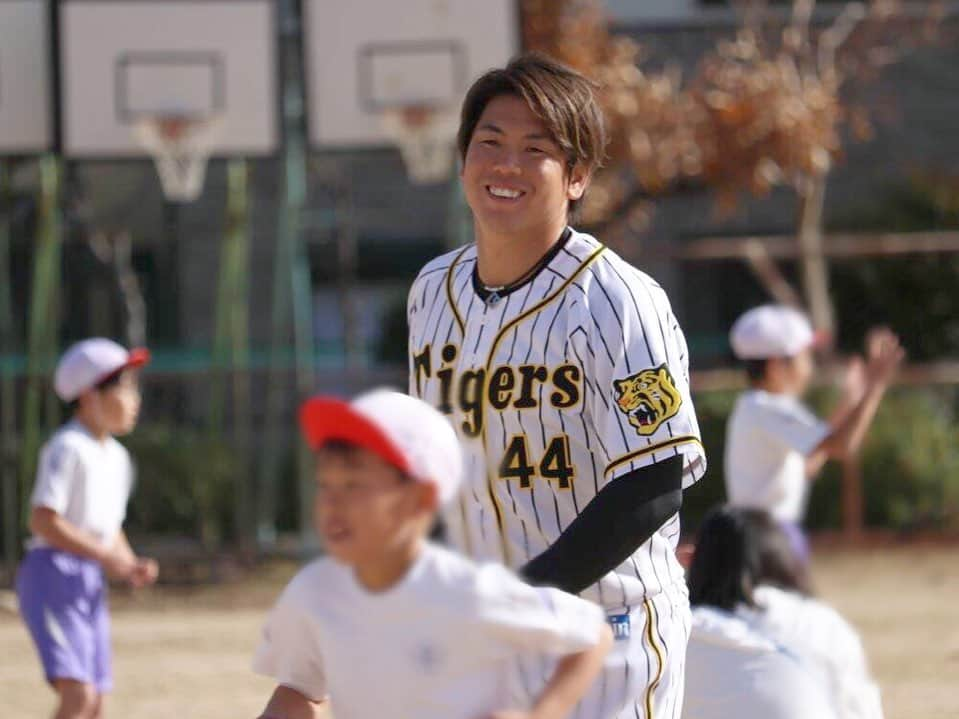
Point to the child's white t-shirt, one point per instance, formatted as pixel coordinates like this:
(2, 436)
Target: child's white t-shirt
(768, 437)
(734, 670)
(826, 641)
(85, 480)
(441, 644)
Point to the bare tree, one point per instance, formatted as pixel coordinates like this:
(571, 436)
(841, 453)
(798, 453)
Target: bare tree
(765, 107)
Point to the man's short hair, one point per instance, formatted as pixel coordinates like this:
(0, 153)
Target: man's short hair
(558, 95)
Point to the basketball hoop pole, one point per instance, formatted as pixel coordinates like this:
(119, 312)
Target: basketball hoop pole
(168, 323)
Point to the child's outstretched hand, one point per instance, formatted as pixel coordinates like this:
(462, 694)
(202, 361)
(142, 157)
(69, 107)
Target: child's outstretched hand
(119, 565)
(854, 381)
(884, 354)
(145, 572)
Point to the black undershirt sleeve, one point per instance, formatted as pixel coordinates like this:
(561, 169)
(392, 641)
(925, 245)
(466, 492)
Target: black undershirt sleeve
(619, 519)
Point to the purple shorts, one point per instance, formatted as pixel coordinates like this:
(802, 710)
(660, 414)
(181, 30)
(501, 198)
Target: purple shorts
(63, 601)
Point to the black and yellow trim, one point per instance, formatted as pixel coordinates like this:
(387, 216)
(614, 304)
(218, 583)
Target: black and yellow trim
(538, 307)
(542, 304)
(652, 449)
(451, 301)
(652, 637)
(449, 289)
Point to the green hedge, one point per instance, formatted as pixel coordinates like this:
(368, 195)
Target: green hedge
(185, 483)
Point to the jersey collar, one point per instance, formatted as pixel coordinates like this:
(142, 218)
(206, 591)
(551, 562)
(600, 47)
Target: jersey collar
(491, 296)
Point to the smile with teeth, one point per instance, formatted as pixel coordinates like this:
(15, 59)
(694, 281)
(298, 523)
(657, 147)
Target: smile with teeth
(503, 192)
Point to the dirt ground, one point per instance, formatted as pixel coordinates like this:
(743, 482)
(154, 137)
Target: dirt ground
(186, 654)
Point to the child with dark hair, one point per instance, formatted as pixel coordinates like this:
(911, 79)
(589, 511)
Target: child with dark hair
(754, 615)
(389, 625)
(78, 506)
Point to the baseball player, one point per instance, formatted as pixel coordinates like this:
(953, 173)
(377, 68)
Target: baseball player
(774, 445)
(566, 375)
(78, 505)
(389, 625)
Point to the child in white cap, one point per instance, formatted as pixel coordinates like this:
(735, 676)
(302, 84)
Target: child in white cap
(774, 445)
(390, 625)
(78, 506)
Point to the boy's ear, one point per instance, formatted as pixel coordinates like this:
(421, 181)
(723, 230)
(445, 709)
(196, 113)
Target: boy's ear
(84, 397)
(579, 177)
(429, 497)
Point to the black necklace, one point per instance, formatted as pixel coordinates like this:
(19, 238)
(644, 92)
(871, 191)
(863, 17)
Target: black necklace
(491, 294)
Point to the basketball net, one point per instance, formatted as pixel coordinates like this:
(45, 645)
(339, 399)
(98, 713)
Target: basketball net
(426, 138)
(180, 147)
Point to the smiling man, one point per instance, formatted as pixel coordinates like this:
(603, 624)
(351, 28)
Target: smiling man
(566, 375)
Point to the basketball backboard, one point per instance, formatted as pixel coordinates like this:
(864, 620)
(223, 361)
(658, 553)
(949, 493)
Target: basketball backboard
(122, 60)
(367, 56)
(25, 109)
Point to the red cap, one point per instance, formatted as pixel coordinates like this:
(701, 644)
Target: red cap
(323, 419)
(404, 431)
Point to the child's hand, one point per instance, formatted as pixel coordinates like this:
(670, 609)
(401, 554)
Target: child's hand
(510, 714)
(119, 565)
(884, 355)
(144, 573)
(854, 381)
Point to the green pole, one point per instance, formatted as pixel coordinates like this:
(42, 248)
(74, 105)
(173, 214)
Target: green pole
(43, 319)
(292, 295)
(231, 355)
(8, 421)
(238, 213)
(230, 336)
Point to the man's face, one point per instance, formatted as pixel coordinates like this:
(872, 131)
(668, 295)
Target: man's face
(364, 506)
(514, 174)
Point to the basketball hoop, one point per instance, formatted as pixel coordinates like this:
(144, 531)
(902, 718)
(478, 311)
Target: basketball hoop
(426, 138)
(180, 147)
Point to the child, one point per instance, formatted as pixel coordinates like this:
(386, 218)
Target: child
(78, 506)
(774, 445)
(745, 581)
(390, 625)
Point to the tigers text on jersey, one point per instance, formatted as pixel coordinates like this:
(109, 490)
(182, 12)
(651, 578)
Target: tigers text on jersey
(577, 377)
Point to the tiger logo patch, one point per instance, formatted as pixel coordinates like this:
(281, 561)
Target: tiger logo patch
(648, 399)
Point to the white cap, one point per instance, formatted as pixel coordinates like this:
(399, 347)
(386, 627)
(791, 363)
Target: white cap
(406, 432)
(91, 361)
(772, 331)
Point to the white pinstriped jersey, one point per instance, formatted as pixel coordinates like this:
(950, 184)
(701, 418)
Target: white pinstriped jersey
(576, 378)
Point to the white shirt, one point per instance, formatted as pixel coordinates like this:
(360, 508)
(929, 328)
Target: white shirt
(768, 437)
(826, 641)
(85, 480)
(441, 644)
(734, 670)
(576, 378)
